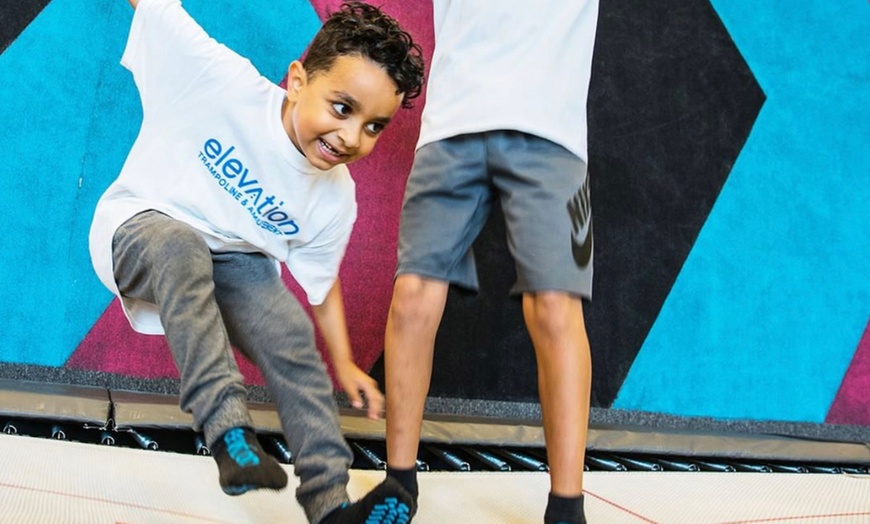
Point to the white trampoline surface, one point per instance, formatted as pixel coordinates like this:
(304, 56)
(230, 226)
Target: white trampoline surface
(49, 481)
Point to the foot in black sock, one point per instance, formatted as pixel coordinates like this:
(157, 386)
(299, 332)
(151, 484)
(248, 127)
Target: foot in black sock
(564, 510)
(388, 503)
(243, 465)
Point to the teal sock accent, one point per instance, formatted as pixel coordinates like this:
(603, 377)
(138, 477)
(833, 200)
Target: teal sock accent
(243, 465)
(239, 449)
(388, 503)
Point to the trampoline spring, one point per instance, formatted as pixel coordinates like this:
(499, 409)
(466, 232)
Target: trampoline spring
(452, 460)
(144, 440)
(538, 453)
(637, 464)
(789, 468)
(280, 448)
(10, 429)
(370, 456)
(822, 468)
(490, 460)
(57, 432)
(199, 446)
(106, 438)
(605, 463)
(678, 465)
(523, 460)
(752, 468)
(715, 466)
(422, 466)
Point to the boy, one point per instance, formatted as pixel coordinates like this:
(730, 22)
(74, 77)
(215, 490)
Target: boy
(231, 175)
(505, 118)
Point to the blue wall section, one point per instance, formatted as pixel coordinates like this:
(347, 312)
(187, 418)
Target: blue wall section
(51, 76)
(772, 301)
(69, 114)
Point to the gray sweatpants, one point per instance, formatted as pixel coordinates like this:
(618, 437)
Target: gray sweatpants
(210, 302)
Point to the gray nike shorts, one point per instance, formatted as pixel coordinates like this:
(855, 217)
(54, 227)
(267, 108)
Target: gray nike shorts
(544, 194)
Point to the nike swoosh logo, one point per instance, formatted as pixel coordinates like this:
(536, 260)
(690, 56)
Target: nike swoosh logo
(582, 251)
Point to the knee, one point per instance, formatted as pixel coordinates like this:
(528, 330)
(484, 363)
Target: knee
(416, 300)
(181, 251)
(552, 312)
(179, 239)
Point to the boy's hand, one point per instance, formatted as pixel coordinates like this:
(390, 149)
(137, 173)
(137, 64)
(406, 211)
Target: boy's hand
(329, 316)
(354, 381)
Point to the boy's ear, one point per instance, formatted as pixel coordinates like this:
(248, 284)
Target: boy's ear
(297, 78)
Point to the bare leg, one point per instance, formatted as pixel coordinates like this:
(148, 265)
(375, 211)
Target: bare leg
(555, 323)
(409, 343)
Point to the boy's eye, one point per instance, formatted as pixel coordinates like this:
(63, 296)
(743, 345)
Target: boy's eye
(341, 109)
(374, 128)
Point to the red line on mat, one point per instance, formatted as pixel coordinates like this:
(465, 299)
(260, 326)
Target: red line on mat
(113, 502)
(621, 508)
(798, 517)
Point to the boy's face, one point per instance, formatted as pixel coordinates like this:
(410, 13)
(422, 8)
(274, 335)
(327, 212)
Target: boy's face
(336, 116)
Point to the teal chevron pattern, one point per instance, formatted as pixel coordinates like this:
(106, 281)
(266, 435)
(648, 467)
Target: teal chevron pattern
(769, 307)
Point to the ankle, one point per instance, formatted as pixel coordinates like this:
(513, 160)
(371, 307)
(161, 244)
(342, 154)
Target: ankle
(407, 478)
(564, 510)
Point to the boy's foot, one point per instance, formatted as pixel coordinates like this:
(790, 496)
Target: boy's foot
(243, 465)
(388, 503)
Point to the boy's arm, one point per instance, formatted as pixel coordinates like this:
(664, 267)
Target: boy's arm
(330, 319)
(133, 3)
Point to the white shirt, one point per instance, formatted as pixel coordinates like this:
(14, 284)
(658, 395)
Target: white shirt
(511, 64)
(212, 152)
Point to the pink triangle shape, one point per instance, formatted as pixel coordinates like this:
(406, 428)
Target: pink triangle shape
(852, 403)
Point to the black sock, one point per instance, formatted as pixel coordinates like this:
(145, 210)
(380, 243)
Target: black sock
(407, 478)
(388, 503)
(243, 465)
(564, 510)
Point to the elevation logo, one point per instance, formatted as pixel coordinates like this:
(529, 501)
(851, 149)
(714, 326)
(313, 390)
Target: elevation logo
(233, 176)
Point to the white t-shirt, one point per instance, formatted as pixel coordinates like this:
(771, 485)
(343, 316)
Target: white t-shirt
(511, 64)
(212, 152)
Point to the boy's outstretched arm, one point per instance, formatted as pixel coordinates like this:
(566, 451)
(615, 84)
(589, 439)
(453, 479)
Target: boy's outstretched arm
(331, 321)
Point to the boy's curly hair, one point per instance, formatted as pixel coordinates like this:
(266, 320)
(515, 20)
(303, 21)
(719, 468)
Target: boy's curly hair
(364, 30)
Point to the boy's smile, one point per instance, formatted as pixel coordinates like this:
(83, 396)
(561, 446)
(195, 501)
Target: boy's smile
(336, 116)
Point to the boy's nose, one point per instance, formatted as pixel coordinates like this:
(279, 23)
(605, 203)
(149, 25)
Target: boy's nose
(350, 137)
